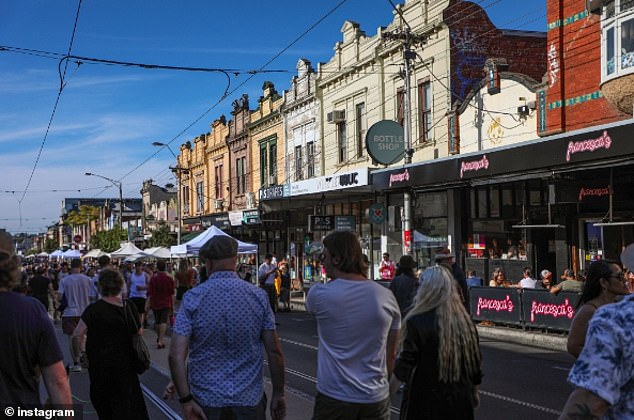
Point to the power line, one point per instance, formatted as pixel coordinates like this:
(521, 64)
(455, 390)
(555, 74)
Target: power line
(59, 94)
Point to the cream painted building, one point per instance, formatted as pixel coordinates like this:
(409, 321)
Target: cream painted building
(302, 123)
(217, 162)
(492, 120)
(266, 135)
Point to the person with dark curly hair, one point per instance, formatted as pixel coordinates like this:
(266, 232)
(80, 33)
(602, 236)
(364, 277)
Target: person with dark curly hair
(604, 283)
(28, 346)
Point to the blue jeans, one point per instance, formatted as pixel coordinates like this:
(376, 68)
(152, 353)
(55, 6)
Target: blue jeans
(257, 412)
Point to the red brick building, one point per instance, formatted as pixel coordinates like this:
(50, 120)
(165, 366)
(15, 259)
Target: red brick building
(574, 96)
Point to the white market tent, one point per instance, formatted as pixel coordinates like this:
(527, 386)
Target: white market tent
(423, 241)
(126, 250)
(94, 253)
(71, 253)
(193, 246)
(43, 254)
(57, 253)
(158, 252)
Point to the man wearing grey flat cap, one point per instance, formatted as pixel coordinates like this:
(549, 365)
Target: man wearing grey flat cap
(223, 325)
(445, 257)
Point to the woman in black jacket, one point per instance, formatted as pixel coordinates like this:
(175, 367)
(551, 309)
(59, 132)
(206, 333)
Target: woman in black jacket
(439, 358)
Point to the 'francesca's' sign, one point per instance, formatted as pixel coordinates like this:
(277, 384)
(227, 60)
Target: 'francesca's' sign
(399, 177)
(590, 145)
(474, 165)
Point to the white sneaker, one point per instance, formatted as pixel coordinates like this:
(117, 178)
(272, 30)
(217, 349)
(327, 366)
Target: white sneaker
(76, 368)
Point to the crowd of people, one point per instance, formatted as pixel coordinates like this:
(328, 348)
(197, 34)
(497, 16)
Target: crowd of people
(422, 341)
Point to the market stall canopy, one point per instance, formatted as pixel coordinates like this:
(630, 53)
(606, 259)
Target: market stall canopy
(56, 253)
(424, 241)
(158, 252)
(193, 246)
(43, 254)
(126, 250)
(95, 253)
(71, 253)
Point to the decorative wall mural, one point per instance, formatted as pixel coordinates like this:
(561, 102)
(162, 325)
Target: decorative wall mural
(495, 131)
(553, 65)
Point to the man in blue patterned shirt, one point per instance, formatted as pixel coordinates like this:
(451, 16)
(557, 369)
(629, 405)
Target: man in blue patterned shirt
(223, 325)
(604, 372)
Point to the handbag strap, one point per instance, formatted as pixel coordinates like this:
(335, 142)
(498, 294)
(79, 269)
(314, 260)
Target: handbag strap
(125, 313)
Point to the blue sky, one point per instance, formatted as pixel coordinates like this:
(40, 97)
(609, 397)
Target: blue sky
(108, 116)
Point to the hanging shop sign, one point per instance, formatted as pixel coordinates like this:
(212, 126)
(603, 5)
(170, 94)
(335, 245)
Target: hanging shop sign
(385, 142)
(345, 223)
(377, 213)
(221, 221)
(235, 218)
(251, 217)
(320, 223)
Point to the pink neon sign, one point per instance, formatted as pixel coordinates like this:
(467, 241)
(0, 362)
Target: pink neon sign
(403, 176)
(590, 145)
(474, 165)
(497, 305)
(593, 192)
(550, 309)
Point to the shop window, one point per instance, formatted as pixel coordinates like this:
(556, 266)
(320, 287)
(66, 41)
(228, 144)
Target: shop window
(298, 163)
(483, 205)
(432, 204)
(627, 44)
(310, 159)
(200, 196)
(359, 124)
(508, 208)
(341, 142)
(494, 201)
(400, 106)
(618, 38)
(424, 111)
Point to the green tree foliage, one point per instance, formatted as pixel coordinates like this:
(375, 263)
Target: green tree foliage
(108, 240)
(50, 245)
(83, 216)
(161, 236)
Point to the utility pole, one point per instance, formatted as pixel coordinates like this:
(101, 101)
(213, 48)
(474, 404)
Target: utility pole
(408, 40)
(116, 184)
(178, 171)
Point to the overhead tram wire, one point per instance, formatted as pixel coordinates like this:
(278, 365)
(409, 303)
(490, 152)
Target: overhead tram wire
(275, 57)
(303, 34)
(59, 94)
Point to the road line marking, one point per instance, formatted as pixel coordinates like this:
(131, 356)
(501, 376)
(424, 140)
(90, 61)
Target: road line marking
(561, 368)
(160, 404)
(519, 402)
(297, 343)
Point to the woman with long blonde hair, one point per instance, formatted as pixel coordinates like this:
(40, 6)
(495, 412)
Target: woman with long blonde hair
(439, 359)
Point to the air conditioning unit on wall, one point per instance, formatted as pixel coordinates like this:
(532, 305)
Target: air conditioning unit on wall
(336, 116)
(250, 200)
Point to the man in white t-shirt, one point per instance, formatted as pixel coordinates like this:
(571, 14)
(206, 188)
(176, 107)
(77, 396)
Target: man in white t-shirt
(75, 287)
(528, 282)
(358, 322)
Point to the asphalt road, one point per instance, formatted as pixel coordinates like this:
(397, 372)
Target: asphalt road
(520, 382)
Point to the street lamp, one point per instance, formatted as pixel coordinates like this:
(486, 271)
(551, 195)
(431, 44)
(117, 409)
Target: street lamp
(116, 184)
(178, 171)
